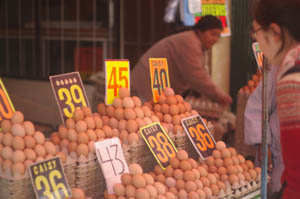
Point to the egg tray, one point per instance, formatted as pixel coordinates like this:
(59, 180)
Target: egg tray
(246, 189)
(89, 178)
(239, 143)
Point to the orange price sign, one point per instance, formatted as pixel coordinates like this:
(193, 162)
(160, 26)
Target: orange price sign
(159, 76)
(159, 143)
(117, 75)
(199, 135)
(258, 55)
(6, 107)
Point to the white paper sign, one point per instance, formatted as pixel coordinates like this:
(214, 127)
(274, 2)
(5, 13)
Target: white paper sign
(111, 158)
(195, 6)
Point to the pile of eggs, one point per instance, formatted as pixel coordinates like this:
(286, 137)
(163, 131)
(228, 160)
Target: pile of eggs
(186, 178)
(139, 185)
(252, 83)
(79, 133)
(231, 167)
(21, 145)
(126, 116)
(170, 110)
(77, 193)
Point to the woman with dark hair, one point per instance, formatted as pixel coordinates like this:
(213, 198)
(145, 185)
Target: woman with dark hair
(185, 53)
(277, 30)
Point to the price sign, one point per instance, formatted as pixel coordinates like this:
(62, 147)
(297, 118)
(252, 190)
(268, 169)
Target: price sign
(159, 76)
(6, 107)
(111, 158)
(199, 135)
(69, 93)
(159, 143)
(259, 57)
(117, 75)
(48, 179)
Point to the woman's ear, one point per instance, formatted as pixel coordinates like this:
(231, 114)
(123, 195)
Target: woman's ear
(276, 32)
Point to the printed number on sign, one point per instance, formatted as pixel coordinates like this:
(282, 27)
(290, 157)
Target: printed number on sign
(71, 96)
(160, 80)
(113, 80)
(161, 144)
(6, 110)
(44, 184)
(204, 140)
(113, 157)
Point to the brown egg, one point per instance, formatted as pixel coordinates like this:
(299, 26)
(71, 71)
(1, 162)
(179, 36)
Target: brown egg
(27, 163)
(17, 117)
(100, 133)
(77, 193)
(129, 114)
(219, 162)
(147, 111)
(7, 153)
(91, 134)
(233, 179)
(174, 110)
(171, 100)
(139, 112)
(119, 113)
(30, 154)
(181, 108)
(154, 118)
(137, 101)
(89, 120)
(101, 108)
(232, 170)
(7, 139)
(225, 153)
(81, 126)
(193, 163)
(205, 181)
(119, 189)
(220, 145)
(126, 179)
(124, 136)
(39, 137)
(241, 176)
(215, 189)
(165, 108)
(7, 164)
(130, 191)
(122, 125)
(174, 163)
(160, 178)
(91, 146)
(108, 131)
(202, 171)
(241, 158)
(158, 170)
(54, 138)
(212, 169)
(113, 122)
(133, 138)
(40, 150)
(228, 162)
(18, 156)
(182, 155)
(167, 118)
(138, 181)
(87, 111)
(178, 174)
(187, 106)
(157, 108)
(210, 161)
(18, 169)
(62, 132)
(151, 190)
(159, 115)
(110, 111)
(72, 135)
(29, 127)
(177, 129)
(250, 164)
(149, 104)
(253, 174)
(82, 138)
(82, 149)
(162, 99)
(72, 147)
(50, 148)
(64, 143)
(222, 170)
(6, 126)
(221, 185)
(235, 160)
(161, 189)
(176, 120)
(128, 102)
(189, 176)
(124, 92)
(135, 169)
(18, 130)
(232, 151)
(18, 143)
(185, 165)
(98, 122)
(118, 103)
(78, 114)
(132, 126)
(247, 175)
(39, 159)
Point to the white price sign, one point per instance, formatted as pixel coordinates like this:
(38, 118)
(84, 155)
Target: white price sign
(111, 158)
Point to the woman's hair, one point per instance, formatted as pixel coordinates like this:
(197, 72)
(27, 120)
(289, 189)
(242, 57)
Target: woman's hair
(285, 13)
(208, 22)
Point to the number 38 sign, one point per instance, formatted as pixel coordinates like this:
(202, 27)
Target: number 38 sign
(69, 93)
(159, 143)
(199, 135)
(6, 107)
(48, 179)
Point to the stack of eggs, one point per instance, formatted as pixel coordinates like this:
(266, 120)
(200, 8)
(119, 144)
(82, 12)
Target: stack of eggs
(126, 116)
(81, 132)
(139, 185)
(252, 84)
(187, 179)
(170, 110)
(232, 168)
(21, 145)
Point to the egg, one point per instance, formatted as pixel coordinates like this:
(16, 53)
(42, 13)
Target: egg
(7, 153)
(40, 159)
(117, 103)
(82, 149)
(190, 186)
(187, 106)
(101, 108)
(157, 108)
(226, 153)
(18, 169)
(82, 138)
(81, 126)
(27, 163)
(130, 191)
(160, 178)
(202, 171)
(250, 164)
(100, 133)
(29, 127)
(110, 111)
(181, 108)
(241, 158)
(137, 101)
(113, 122)
(124, 92)
(182, 194)
(133, 138)
(7, 139)
(189, 176)
(212, 169)
(18, 143)
(219, 162)
(18, 130)
(6, 126)
(40, 150)
(90, 122)
(161, 189)
(91, 134)
(175, 163)
(72, 135)
(50, 148)
(171, 100)
(62, 131)
(119, 189)
(64, 143)
(130, 114)
(232, 170)
(182, 155)
(7, 164)
(177, 129)
(39, 137)
(128, 102)
(77, 193)
(135, 168)
(228, 162)
(72, 146)
(210, 161)
(138, 181)
(222, 170)
(78, 114)
(232, 151)
(119, 113)
(147, 111)
(108, 131)
(139, 112)
(220, 145)
(98, 122)
(149, 179)
(17, 117)
(122, 125)
(151, 190)
(30, 154)
(165, 108)
(18, 156)
(132, 126)
(233, 179)
(142, 193)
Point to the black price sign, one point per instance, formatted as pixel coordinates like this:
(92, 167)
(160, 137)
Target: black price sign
(48, 179)
(199, 135)
(6, 107)
(159, 143)
(69, 93)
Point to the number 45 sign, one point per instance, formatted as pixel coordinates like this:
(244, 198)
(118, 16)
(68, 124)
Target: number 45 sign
(199, 135)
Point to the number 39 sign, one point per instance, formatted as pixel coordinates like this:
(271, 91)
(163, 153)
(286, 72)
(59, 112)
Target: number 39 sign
(199, 135)
(69, 93)
(6, 107)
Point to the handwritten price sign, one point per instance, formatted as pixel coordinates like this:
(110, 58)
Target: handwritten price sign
(199, 135)
(159, 143)
(69, 93)
(48, 179)
(111, 158)
(6, 107)
(117, 76)
(159, 76)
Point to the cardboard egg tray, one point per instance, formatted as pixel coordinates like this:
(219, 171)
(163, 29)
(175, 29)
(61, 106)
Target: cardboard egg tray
(239, 143)
(246, 188)
(89, 178)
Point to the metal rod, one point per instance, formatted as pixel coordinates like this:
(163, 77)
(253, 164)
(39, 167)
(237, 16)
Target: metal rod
(122, 29)
(265, 126)
(37, 36)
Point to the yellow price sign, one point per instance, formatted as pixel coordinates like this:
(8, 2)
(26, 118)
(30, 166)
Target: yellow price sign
(199, 135)
(159, 76)
(160, 144)
(69, 93)
(48, 179)
(6, 107)
(117, 75)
